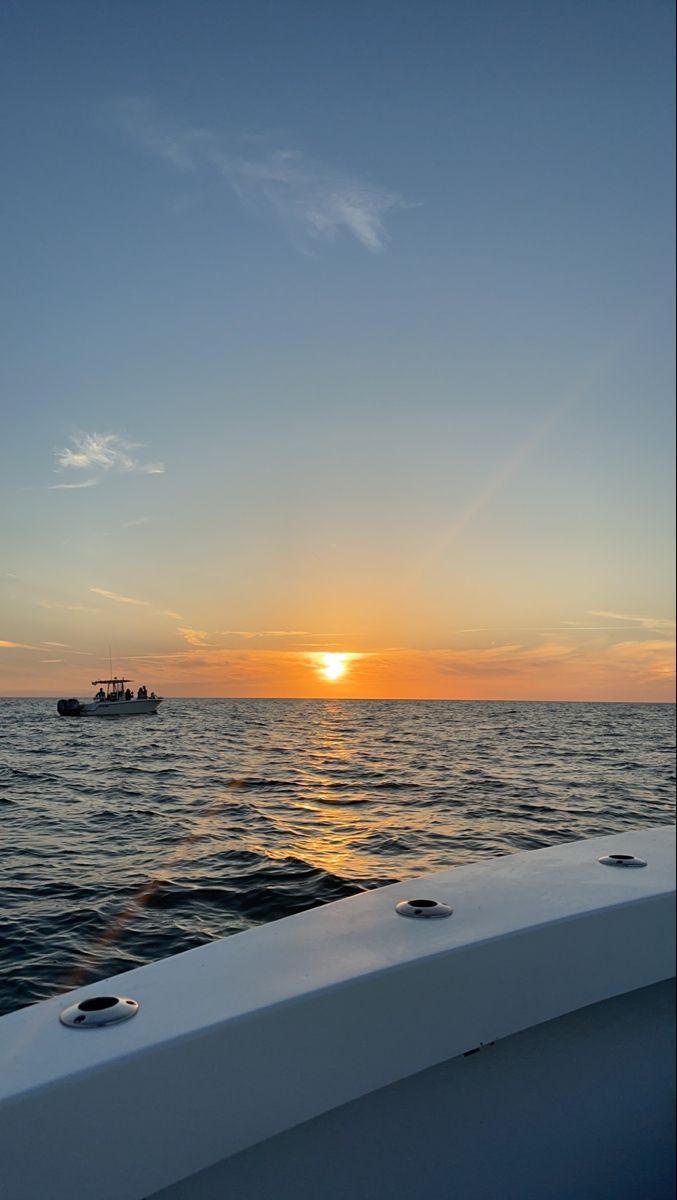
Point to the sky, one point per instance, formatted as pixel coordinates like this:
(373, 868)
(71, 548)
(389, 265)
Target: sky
(337, 348)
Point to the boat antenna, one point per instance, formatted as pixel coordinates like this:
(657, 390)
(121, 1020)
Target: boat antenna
(110, 661)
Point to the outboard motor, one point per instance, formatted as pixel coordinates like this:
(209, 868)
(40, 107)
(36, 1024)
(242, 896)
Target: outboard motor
(69, 708)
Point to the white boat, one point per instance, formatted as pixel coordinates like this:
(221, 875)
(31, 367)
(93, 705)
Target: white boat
(516, 1047)
(116, 701)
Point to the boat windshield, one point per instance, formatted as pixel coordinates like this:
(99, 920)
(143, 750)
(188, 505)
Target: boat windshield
(115, 689)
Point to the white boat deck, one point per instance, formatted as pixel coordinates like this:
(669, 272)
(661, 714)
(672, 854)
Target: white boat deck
(241, 1048)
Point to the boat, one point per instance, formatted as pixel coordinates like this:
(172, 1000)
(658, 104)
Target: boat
(116, 701)
(499, 1029)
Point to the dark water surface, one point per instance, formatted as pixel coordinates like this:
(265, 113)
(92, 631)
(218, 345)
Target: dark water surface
(127, 840)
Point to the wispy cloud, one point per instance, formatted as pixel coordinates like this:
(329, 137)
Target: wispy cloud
(137, 521)
(265, 633)
(67, 487)
(653, 624)
(203, 638)
(15, 646)
(652, 658)
(167, 612)
(102, 453)
(120, 599)
(194, 637)
(527, 628)
(313, 201)
(512, 658)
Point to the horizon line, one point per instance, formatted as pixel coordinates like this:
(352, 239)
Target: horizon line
(381, 699)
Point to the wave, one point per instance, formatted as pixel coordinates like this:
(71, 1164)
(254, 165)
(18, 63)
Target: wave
(125, 845)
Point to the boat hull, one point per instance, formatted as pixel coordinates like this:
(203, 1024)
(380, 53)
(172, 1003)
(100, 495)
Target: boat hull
(119, 708)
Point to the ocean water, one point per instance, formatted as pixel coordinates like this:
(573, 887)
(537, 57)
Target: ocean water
(124, 841)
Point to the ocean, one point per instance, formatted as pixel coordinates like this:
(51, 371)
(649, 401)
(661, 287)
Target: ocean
(124, 841)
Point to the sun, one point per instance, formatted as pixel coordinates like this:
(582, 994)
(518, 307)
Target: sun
(333, 666)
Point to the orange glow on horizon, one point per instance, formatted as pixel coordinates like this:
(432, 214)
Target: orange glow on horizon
(576, 665)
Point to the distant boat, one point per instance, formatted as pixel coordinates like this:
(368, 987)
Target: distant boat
(116, 701)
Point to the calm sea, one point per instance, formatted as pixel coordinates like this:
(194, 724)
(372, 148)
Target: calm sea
(125, 841)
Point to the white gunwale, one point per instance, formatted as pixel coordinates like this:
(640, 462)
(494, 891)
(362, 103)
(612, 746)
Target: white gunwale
(261, 1031)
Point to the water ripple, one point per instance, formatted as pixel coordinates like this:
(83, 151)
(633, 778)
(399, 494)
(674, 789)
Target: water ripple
(131, 840)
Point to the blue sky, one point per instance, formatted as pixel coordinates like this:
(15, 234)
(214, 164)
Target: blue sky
(386, 289)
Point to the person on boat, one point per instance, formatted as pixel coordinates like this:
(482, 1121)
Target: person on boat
(142, 693)
(128, 694)
(153, 696)
(100, 695)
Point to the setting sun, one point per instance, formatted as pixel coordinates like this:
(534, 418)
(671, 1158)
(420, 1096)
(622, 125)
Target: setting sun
(333, 666)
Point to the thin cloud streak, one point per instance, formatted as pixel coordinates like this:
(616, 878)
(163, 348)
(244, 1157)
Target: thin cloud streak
(68, 487)
(504, 474)
(653, 624)
(120, 599)
(565, 626)
(264, 633)
(313, 201)
(199, 637)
